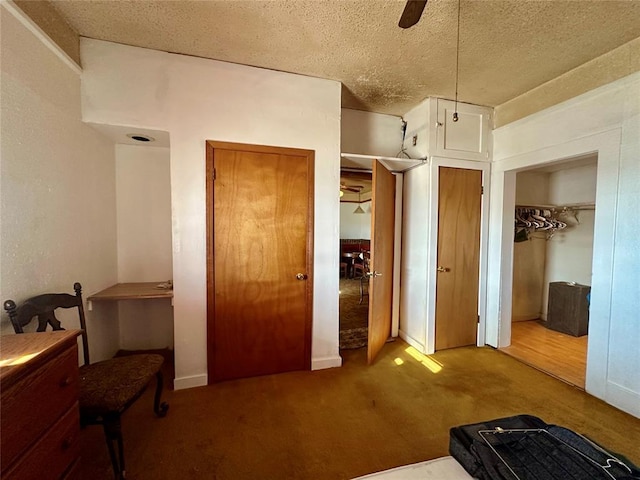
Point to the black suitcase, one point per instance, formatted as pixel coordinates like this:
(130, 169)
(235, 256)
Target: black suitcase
(524, 447)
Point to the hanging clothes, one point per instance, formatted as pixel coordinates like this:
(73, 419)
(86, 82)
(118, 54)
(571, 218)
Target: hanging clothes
(529, 220)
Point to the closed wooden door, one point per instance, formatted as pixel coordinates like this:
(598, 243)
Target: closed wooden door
(459, 209)
(381, 266)
(259, 260)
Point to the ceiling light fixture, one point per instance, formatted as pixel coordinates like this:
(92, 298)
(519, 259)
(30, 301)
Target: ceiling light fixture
(138, 137)
(455, 112)
(359, 208)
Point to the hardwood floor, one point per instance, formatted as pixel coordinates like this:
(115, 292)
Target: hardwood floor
(560, 355)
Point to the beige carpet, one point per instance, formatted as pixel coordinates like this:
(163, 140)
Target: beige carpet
(344, 422)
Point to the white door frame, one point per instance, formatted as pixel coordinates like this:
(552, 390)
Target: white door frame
(432, 257)
(500, 274)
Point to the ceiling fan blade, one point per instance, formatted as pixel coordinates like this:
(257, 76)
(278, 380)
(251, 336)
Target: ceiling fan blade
(412, 13)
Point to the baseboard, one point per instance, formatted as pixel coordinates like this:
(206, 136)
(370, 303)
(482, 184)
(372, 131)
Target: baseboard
(623, 398)
(411, 341)
(190, 382)
(326, 362)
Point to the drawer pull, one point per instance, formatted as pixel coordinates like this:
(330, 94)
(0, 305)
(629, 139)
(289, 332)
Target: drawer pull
(66, 381)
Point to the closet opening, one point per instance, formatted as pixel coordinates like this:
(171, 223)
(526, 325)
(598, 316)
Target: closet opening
(552, 267)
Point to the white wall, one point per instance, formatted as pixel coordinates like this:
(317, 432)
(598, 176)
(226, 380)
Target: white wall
(570, 251)
(367, 133)
(413, 270)
(57, 185)
(143, 198)
(418, 125)
(529, 258)
(355, 225)
(566, 256)
(197, 100)
(605, 121)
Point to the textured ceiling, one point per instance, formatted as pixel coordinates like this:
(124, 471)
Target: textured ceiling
(507, 47)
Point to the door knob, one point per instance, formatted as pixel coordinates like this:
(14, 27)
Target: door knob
(373, 274)
(444, 269)
(301, 276)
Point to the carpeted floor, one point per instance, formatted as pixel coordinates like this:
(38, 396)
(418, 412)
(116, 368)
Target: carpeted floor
(344, 422)
(353, 315)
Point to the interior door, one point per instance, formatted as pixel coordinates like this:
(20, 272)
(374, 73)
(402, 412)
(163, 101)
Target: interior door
(259, 260)
(459, 209)
(381, 267)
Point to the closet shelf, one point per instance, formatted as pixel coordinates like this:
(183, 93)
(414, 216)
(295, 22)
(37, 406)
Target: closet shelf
(365, 162)
(561, 207)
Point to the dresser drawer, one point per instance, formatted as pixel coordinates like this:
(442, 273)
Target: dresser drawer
(34, 403)
(52, 455)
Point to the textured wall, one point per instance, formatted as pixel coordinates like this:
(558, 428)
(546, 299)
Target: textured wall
(57, 184)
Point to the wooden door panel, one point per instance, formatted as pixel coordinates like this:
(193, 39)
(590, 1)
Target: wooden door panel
(459, 208)
(259, 312)
(381, 287)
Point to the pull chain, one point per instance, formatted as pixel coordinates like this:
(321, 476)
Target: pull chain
(455, 113)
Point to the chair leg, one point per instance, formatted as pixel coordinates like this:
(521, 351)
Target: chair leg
(158, 407)
(113, 433)
(362, 280)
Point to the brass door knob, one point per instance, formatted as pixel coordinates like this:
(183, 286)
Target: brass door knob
(444, 269)
(301, 276)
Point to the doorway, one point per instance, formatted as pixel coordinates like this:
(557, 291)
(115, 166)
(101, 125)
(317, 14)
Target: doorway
(259, 259)
(355, 245)
(377, 274)
(552, 267)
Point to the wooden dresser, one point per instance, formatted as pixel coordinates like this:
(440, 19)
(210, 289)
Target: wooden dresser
(39, 417)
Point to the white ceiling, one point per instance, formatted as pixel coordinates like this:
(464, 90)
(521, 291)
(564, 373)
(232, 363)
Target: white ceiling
(507, 47)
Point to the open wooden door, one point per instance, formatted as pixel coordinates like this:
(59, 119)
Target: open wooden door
(259, 259)
(459, 210)
(381, 281)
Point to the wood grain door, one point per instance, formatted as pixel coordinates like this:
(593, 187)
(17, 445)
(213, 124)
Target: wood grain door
(381, 267)
(259, 259)
(459, 209)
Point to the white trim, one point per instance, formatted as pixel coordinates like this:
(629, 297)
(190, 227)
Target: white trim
(432, 242)
(397, 257)
(411, 341)
(623, 398)
(326, 362)
(30, 25)
(607, 146)
(190, 382)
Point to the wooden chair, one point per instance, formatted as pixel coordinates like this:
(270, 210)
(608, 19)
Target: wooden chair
(343, 269)
(107, 388)
(359, 267)
(364, 278)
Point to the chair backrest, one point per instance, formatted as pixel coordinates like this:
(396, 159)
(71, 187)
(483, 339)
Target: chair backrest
(43, 307)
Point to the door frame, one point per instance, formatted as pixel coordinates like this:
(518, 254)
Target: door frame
(210, 146)
(607, 146)
(432, 245)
